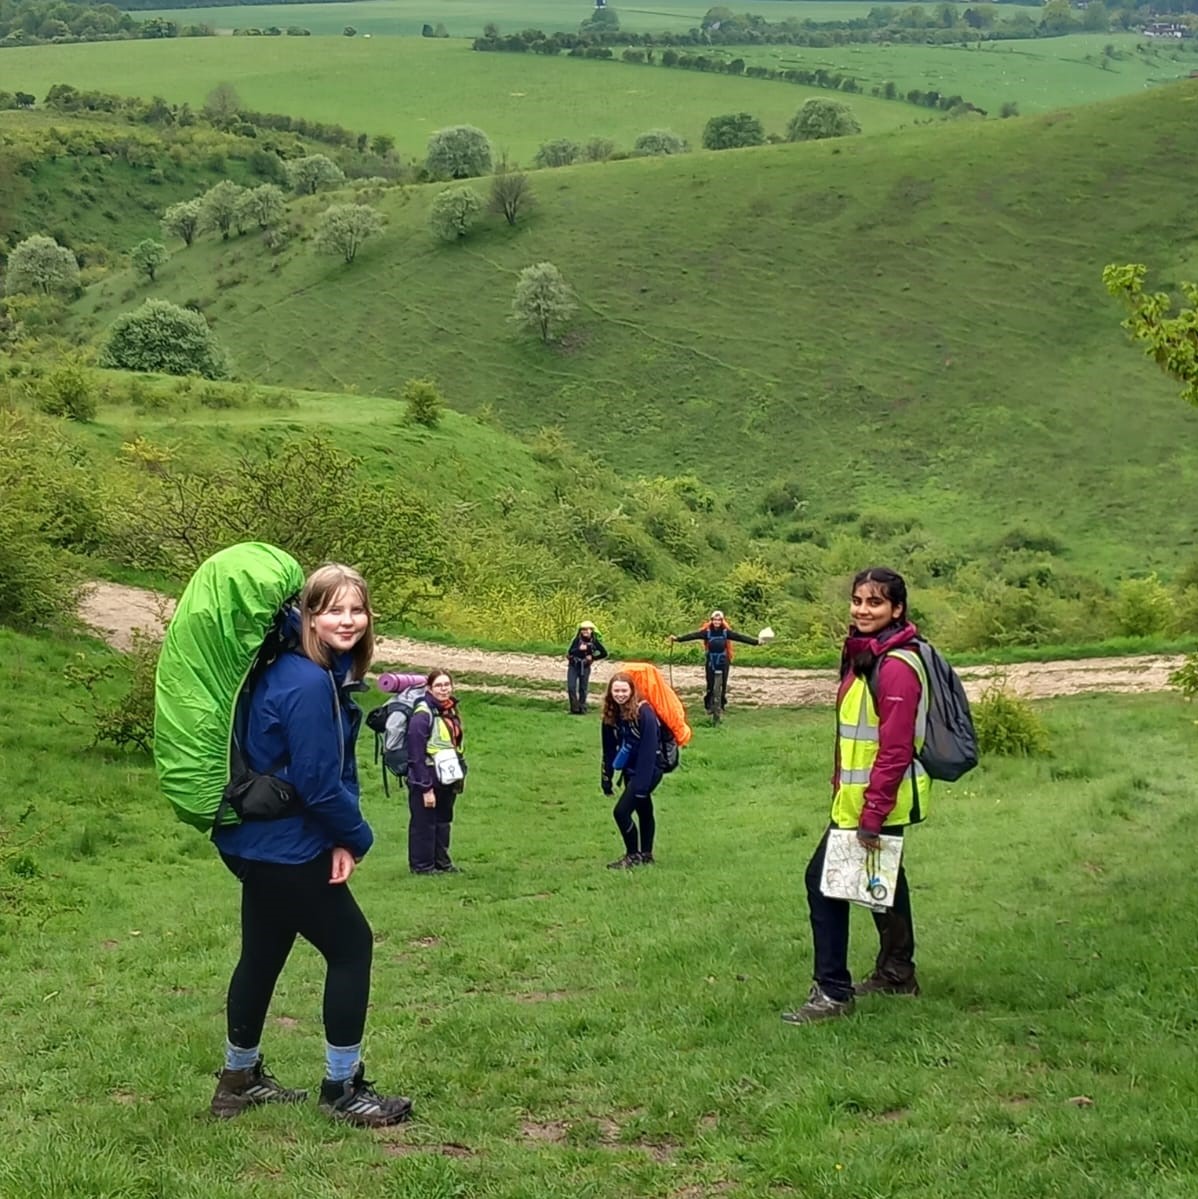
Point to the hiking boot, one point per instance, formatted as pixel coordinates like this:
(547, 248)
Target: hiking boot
(880, 984)
(238, 1089)
(645, 859)
(448, 868)
(626, 862)
(819, 1007)
(357, 1102)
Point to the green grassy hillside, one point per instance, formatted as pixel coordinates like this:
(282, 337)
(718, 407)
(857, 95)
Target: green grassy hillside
(410, 87)
(912, 324)
(567, 1030)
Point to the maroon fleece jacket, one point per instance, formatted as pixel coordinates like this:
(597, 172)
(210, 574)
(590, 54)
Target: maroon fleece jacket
(898, 689)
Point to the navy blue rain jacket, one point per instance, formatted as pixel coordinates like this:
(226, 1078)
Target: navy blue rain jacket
(642, 773)
(303, 727)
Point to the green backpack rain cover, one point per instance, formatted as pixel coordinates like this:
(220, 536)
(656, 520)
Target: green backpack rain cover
(223, 617)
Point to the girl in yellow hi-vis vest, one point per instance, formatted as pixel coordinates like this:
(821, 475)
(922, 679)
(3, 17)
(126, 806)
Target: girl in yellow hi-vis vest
(878, 785)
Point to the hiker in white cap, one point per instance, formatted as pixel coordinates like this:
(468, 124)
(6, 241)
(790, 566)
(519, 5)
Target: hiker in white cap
(584, 649)
(717, 636)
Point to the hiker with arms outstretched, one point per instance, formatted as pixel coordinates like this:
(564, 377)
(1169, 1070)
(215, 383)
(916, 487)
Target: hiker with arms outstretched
(878, 786)
(717, 635)
(301, 726)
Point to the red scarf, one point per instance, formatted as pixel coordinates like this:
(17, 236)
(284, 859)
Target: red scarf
(448, 711)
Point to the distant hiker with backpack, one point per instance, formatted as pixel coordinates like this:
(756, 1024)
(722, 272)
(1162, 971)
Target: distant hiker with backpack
(585, 649)
(631, 736)
(717, 636)
(299, 727)
(436, 775)
(879, 784)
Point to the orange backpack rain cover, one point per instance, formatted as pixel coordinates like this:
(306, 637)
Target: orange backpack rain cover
(662, 698)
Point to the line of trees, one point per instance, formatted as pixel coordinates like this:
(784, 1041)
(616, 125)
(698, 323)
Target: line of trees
(39, 22)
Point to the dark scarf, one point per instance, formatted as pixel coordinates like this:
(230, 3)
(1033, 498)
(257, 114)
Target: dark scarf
(860, 653)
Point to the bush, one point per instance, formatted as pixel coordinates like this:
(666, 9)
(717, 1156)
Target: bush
(1143, 607)
(424, 402)
(39, 264)
(658, 142)
(1185, 678)
(733, 130)
(128, 721)
(783, 498)
(343, 228)
(453, 212)
(67, 391)
(147, 256)
(511, 193)
(1008, 725)
(308, 175)
(561, 152)
(818, 119)
(598, 149)
(160, 336)
(458, 152)
(543, 299)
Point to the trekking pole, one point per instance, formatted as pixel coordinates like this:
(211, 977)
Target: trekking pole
(670, 662)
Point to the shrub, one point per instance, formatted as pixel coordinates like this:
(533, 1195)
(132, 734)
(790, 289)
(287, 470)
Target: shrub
(458, 152)
(147, 256)
(1008, 725)
(220, 205)
(39, 264)
(543, 299)
(128, 721)
(342, 229)
(511, 193)
(183, 220)
(733, 130)
(308, 175)
(598, 149)
(67, 391)
(782, 498)
(1143, 607)
(659, 142)
(819, 118)
(424, 402)
(160, 336)
(453, 212)
(1037, 541)
(753, 588)
(561, 152)
(1185, 678)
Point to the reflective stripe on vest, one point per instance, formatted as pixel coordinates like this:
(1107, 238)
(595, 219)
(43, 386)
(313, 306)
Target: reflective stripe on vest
(857, 730)
(439, 736)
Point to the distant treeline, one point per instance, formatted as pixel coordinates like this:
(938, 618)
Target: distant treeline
(37, 22)
(137, 5)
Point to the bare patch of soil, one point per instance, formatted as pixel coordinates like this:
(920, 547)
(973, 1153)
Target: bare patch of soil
(548, 1132)
(115, 611)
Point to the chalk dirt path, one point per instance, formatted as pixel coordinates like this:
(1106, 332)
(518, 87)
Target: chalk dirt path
(114, 611)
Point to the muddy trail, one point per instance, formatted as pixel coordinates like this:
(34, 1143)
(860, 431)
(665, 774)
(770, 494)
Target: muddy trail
(114, 611)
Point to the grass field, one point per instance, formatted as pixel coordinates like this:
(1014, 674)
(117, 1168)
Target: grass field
(1038, 74)
(466, 18)
(933, 298)
(409, 88)
(568, 1031)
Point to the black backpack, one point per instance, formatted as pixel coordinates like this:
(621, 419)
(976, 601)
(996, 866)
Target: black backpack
(950, 747)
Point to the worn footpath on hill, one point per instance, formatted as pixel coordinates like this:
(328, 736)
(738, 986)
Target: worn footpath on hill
(115, 611)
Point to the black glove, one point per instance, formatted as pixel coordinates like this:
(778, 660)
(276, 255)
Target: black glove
(605, 781)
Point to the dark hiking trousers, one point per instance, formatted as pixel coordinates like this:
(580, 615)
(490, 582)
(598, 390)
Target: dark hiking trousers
(830, 933)
(717, 684)
(626, 807)
(279, 903)
(578, 681)
(429, 829)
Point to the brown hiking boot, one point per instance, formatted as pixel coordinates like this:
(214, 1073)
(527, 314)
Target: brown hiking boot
(626, 862)
(819, 1007)
(879, 984)
(238, 1089)
(357, 1102)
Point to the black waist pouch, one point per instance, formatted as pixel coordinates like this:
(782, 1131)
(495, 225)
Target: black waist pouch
(256, 796)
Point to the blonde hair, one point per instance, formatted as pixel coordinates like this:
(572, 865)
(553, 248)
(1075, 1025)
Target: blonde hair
(321, 589)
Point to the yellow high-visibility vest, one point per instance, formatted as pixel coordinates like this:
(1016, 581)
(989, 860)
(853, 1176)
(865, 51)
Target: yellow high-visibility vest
(857, 717)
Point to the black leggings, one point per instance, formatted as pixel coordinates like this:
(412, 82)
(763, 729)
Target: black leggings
(626, 805)
(279, 903)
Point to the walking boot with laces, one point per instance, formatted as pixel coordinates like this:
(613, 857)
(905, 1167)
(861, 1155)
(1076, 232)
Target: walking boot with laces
(626, 862)
(357, 1102)
(238, 1089)
(879, 984)
(819, 1007)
